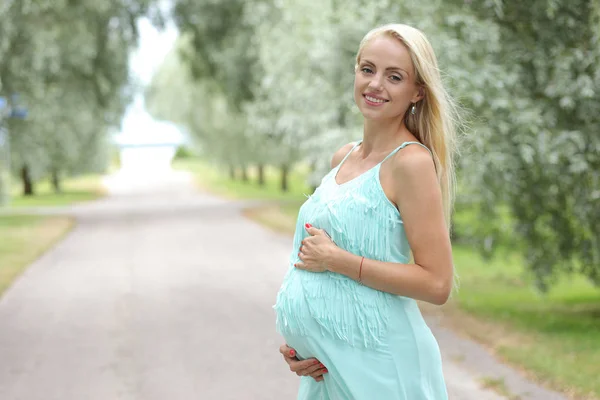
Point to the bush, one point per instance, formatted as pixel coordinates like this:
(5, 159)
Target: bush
(184, 152)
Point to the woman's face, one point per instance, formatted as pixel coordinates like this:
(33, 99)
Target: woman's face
(384, 82)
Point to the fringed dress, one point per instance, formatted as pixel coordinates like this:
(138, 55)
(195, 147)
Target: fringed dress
(375, 345)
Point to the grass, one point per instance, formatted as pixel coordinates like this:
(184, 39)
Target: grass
(74, 190)
(211, 179)
(499, 386)
(23, 238)
(552, 338)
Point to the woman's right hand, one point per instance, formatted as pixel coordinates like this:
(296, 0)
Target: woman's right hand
(309, 367)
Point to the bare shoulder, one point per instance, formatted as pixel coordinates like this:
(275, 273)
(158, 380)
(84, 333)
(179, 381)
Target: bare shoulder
(339, 155)
(413, 163)
(411, 183)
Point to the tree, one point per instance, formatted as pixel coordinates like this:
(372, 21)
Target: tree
(220, 50)
(542, 156)
(68, 62)
(525, 75)
(198, 106)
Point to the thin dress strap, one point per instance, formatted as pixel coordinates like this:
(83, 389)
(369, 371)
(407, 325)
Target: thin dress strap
(403, 145)
(350, 152)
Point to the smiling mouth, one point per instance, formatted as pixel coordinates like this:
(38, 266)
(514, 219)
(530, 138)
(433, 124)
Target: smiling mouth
(374, 100)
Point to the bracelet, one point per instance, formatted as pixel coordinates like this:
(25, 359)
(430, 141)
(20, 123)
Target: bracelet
(360, 270)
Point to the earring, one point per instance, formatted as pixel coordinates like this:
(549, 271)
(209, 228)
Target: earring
(413, 110)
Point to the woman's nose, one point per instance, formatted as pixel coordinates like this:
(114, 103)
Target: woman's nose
(376, 82)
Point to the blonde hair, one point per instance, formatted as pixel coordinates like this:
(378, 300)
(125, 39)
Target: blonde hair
(436, 120)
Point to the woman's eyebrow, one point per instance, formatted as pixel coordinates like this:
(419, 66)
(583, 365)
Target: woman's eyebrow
(398, 68)
(388, 68)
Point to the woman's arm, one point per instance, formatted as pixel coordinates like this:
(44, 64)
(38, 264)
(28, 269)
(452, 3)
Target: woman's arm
(409, 280)
(417, 194)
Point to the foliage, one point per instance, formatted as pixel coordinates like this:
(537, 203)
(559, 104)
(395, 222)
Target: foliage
(541, 157)
(68, 62)
(199, 107)
(217, 53)
(553, 336)
(525, 76)
(183, 152)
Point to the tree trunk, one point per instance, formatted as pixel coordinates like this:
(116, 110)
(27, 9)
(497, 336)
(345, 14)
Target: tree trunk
(261, 175)
(244, 174)
(56, 181)
(27, 182)
(285, 169)
(232, 172)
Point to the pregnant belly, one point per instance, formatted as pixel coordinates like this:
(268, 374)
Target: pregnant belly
(313, 304)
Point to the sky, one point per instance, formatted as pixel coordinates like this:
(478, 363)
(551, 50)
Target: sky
(152, 49)
(138, 127)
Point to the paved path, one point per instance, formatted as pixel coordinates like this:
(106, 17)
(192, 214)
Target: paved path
(158, 293)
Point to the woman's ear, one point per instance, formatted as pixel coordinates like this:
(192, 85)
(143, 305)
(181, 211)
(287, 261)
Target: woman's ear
(419, 95)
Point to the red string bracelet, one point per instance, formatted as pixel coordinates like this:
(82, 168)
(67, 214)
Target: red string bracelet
(360, 270)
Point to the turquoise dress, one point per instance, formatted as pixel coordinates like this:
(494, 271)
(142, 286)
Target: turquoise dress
(375, 345)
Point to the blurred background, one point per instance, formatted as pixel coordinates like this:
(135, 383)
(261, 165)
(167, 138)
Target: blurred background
(253, 97)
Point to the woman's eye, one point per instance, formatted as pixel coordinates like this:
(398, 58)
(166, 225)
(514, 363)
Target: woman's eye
(396, 78)
(366, 70)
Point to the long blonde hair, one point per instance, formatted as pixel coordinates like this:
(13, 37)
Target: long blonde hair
(437, 118)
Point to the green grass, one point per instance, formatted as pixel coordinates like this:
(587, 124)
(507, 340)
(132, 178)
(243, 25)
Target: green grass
(23, 238)
(211, 179)
(499, 386)
(74, 190)
(554, 337)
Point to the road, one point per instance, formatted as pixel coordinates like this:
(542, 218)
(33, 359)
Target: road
(160, 292)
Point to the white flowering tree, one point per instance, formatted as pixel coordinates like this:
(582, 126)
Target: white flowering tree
(539, 155)
(199, 107)
(68, 63)
(526, 77)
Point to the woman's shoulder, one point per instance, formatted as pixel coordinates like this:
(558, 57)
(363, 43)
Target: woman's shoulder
(339, 155)
(412, 163)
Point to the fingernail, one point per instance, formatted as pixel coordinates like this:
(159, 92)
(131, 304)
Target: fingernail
(325, 371)
(292, 353)
(308, 225)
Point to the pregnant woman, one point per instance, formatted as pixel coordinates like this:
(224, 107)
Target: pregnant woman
(347, 306)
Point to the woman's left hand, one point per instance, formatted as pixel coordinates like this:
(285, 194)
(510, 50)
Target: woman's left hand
(315, 250)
